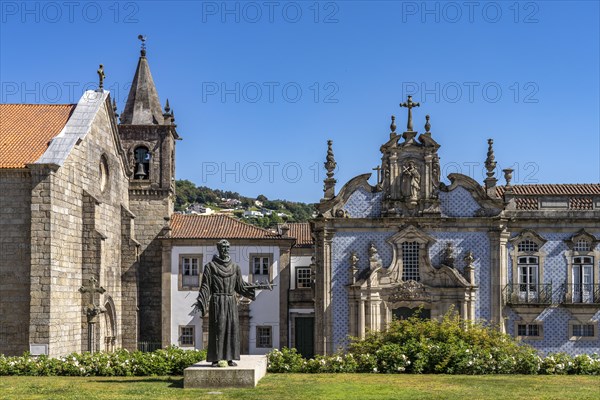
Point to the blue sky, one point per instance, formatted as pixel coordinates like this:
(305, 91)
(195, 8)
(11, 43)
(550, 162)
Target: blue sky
(258, 87)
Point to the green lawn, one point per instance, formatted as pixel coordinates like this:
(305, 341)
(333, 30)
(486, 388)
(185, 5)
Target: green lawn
(314, 387)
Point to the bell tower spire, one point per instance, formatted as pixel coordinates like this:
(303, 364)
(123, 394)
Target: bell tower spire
(143, 106)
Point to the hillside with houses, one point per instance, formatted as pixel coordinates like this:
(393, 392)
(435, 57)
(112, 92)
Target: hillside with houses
(259, 211)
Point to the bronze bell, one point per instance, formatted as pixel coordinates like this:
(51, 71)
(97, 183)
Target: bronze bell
(141, 172)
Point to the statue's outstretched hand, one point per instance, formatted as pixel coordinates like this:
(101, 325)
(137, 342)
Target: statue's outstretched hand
(198, 308)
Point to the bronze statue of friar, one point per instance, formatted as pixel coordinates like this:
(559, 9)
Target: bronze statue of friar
(221, 281)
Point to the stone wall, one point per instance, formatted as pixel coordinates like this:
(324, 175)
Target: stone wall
(150, 208)
(15, 242)
(76, 234)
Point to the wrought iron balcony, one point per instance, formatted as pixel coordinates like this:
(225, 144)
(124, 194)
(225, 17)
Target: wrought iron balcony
(586, 293)
(528, 294)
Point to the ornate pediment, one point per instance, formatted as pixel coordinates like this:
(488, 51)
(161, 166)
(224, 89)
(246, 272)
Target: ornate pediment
(528, 234)
(409, 291)
(582, 235)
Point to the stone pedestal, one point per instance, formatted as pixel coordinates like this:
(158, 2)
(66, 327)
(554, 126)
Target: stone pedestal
(249, 371)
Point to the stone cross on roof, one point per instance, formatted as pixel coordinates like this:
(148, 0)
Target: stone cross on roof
(101, 77)
(409, 104)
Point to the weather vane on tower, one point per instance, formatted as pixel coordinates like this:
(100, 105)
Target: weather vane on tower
(142, 38)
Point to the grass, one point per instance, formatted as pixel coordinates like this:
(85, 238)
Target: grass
(306, 386)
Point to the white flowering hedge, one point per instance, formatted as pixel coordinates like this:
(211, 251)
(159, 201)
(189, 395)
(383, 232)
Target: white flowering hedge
(169, 361)
(450, 346)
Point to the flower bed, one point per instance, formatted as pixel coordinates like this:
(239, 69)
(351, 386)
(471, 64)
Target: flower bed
(169, 361)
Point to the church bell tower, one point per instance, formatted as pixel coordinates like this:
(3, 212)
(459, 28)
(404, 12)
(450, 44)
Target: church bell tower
(148, 135)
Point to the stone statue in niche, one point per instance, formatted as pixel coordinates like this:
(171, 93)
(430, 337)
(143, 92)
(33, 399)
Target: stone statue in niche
(411, 182)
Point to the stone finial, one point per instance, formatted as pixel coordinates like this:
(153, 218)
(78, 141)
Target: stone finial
(449, 255)
(101, 77)
(410, 105)
(114, 105)
(354, 259)
(490, 161)
(330, 165)
(469, 268)
(469, 259)
(490, 166)
(353, 267)
(142, 38)
(508, 176)
(427, 124)
(167, 114)
(393, 125)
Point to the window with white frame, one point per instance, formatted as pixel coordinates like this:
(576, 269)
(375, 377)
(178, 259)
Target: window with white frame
(410, 261)
(583, 279)
(527, 269)
(190, 266)
(303, 279)
(187, 335)
(529, 330)
(260, 267)
(583, 331)
(264, 336)
(582, 273)
(528, 274)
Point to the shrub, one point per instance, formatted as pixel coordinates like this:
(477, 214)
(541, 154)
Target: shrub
(169, 361)
(449, 346)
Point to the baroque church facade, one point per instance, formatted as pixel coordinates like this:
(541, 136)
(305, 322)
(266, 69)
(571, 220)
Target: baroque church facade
(84, 200)
(92, 258)
(524, 258)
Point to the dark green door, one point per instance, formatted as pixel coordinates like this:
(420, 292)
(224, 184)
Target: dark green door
(405, 313)
(305, 336)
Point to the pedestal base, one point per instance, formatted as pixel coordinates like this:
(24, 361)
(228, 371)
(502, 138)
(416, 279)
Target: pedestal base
(249, 370)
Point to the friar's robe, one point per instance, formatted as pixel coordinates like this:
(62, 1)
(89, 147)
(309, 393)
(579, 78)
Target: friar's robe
(221, 280)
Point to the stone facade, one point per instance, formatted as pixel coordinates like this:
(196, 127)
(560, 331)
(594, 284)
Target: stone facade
(407, 241)
(67, 234)
(80, 248)
(15, 267)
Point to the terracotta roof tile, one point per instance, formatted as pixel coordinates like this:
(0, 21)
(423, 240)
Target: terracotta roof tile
(526, 203)
(560, 189)
(581, 203)
(26, 129)
(218, 226)
(301, 231)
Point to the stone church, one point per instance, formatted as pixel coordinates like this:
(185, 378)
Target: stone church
(524, 258)
(83, 200)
